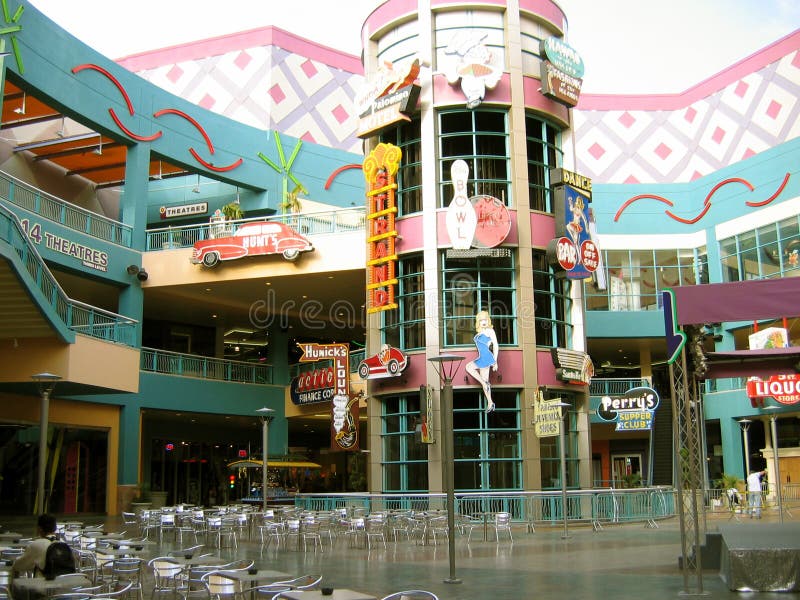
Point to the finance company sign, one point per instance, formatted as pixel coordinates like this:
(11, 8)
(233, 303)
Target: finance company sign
(344, 408)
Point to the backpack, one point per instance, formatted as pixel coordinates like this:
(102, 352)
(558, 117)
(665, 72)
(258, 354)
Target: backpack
(58, 560)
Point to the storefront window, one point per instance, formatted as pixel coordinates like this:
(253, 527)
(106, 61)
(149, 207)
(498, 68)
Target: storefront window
(635, 279)
(544, 153)
(405, 327)
(551, 304)
(405, 457)
(473, 284)
(76, 470)
(486, 447)
(409, 176)
(550, 451)
(480, 138)
(769, 251)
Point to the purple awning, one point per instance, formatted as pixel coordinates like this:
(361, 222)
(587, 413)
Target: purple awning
(738, 301)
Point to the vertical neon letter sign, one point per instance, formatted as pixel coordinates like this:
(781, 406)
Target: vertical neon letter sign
(380, 168)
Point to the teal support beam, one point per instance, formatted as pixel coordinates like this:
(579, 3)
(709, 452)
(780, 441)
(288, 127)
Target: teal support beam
(732, 447)
(128, 470)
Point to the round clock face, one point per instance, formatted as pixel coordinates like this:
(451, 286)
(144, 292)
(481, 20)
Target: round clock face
(494, 222)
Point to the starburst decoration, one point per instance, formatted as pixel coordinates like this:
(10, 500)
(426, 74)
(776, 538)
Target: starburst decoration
(11, 28)
(285, 169)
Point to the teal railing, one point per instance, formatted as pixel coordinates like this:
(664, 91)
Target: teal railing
(77, 316)
(184, 236)
(54, 209)
(610, 386)
(596, 507)
(192, 365)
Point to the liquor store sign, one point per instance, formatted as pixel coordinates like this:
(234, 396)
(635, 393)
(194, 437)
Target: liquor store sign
(783, 388)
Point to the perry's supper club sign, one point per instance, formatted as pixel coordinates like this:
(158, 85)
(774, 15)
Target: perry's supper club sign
(380, 168)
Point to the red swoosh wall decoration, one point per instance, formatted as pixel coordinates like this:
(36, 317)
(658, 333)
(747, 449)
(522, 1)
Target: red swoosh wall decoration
(706, 201)
(166, 111)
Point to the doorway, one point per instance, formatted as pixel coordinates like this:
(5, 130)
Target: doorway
(626, 470)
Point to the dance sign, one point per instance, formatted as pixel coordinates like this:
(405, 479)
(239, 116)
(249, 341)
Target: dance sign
(574, 250)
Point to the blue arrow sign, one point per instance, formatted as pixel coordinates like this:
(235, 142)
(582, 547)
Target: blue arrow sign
(676, 339)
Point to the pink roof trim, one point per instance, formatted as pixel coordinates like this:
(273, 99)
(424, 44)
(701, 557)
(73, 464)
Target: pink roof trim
(233, 42)
(754, 62)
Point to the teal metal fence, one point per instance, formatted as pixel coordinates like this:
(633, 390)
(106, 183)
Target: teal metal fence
(192, 365)
(610, 386)
(77, 316)
(344, 220)
(596, 507)
(59, 211)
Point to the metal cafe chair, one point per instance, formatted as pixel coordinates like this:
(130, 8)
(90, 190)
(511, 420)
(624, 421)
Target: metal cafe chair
(412, 595)
(168, 576)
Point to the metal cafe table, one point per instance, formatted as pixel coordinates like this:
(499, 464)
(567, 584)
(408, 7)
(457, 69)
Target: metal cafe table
(338, 594)
(34, 588)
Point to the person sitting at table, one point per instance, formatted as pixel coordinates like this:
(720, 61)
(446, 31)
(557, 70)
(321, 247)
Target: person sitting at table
(34, 556)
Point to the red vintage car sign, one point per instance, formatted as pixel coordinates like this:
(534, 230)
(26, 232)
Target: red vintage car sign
(389, 362)
(252, 239)
(784, 388)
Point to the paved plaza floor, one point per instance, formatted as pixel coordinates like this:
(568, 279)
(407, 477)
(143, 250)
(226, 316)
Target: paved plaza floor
(618, 562)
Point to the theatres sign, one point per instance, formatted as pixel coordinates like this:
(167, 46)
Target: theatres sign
(380, 168)
(783, 388)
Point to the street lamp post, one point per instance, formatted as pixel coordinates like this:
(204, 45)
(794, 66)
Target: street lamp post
(46, 383)
(562, 442)
(446, 366)
(266, 417)
(775, 460)
(745, 425)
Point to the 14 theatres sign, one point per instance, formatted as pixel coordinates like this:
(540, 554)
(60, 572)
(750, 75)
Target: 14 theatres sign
(574, 251)
(344, 422)
(784, 388)
(633, 411)
(380, 168)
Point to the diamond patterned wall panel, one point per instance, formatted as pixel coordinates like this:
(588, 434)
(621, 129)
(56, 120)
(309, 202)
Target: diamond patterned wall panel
(270, 88)
(636, 144)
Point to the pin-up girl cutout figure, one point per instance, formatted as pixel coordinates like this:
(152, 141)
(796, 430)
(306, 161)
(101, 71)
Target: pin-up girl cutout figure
(486, 343)
(578, 225)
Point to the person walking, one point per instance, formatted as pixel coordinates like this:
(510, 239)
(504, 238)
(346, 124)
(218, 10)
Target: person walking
(754, 493)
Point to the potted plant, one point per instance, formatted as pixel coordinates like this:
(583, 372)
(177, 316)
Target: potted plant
(232, 211)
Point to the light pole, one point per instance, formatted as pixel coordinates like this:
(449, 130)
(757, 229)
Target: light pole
(266, 417)
(446, 366)
(562, 442)
(46, 383)
(775, 460)
(745, 425)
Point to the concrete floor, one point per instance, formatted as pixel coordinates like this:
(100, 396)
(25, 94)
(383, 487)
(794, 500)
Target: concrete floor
(621, 561)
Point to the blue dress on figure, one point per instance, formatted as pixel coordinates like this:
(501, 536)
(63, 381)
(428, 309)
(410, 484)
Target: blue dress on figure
(485, 357)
